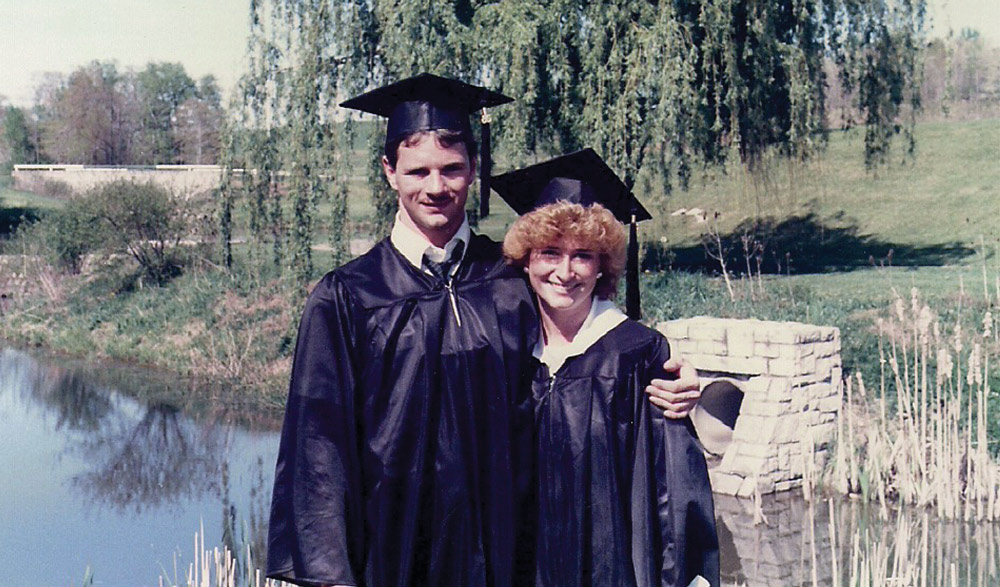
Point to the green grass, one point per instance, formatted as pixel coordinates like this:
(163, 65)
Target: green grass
(941, 207)
(11, 198)
(838, 223)
(940, 217)
(947, 200)
(17, 207)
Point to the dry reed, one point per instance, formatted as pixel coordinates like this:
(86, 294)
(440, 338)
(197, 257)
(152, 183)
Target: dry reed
(913, 549)
(933, 451)
(218, 568)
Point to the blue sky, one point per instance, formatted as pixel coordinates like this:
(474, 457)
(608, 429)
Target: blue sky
(209, 36)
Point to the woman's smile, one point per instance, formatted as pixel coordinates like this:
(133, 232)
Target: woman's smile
(563, 274)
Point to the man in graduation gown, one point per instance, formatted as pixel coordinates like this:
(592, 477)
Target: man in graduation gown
(405, 455)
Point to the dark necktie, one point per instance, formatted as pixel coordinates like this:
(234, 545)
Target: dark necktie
(442, 270)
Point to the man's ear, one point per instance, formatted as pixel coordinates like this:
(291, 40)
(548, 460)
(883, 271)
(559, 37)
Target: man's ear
(390, 172)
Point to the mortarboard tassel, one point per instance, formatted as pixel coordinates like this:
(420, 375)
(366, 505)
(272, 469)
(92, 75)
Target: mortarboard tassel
(485, 167)
(632, 308)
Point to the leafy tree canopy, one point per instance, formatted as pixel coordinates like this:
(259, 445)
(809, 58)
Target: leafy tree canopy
(100, 115)
(657, 87)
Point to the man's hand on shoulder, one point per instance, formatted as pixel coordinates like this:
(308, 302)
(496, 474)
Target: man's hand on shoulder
(679, 396)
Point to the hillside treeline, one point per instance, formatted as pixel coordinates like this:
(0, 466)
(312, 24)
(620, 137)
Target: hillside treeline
(99, 115)
(959, 80)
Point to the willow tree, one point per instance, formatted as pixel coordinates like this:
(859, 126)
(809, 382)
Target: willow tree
(284, 136)
(657, 87)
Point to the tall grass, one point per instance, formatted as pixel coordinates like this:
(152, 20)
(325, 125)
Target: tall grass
(933, 449)
(217, 567)
(233, 330)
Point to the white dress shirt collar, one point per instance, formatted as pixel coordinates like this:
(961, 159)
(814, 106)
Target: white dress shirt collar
(413, 245)
(603, 317)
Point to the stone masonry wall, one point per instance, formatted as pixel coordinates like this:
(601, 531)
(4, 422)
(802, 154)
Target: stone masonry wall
(790, 374)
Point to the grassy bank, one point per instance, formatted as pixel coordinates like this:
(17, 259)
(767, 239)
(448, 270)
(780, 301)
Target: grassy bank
(231, 334)
(17, 207)
(949, 194)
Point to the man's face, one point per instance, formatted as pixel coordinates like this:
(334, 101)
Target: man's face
(433, 184)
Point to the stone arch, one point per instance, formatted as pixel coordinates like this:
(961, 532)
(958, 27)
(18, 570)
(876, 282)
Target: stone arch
(717, 413)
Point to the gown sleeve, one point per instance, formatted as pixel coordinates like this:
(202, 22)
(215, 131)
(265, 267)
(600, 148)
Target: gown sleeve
(316, 531)
(686, 510)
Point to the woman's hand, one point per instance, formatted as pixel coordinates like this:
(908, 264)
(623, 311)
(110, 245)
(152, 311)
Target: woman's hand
(679, 396)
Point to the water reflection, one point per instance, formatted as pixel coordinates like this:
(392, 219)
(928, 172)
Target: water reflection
(115, 483)
(137, 455)
(785, 540)
(158, 459)
(76, 403)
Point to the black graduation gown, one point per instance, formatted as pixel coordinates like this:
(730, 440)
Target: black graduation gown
(623, 493)
(406, 447)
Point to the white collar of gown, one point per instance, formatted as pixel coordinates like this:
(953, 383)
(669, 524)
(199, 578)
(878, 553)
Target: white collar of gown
(603, 317)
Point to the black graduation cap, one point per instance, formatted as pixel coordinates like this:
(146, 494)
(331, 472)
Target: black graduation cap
(429, 102)
(582, 178)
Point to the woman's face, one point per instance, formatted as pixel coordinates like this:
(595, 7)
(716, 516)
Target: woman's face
(563, 275)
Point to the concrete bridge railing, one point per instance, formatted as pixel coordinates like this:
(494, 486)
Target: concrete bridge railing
(184, 180)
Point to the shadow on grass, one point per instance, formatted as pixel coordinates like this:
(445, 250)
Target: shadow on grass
(12, 218)
(799, 244)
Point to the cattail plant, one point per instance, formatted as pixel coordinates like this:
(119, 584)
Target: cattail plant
(933, 451)
(218, 568)
(910, 548)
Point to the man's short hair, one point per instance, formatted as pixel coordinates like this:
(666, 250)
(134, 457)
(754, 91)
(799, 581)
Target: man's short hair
(445, 138)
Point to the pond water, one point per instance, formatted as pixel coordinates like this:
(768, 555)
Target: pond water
(92, 476)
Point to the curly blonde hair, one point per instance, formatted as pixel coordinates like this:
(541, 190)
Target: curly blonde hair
(593, 225)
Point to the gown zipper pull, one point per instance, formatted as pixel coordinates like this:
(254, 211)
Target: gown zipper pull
(454, 302)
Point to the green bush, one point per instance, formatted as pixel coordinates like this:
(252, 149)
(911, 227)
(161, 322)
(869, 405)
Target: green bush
(71, 234)
(58, 189)
(143, 220)
(62, 237)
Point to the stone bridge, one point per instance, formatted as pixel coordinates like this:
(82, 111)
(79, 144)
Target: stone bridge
(771, 397)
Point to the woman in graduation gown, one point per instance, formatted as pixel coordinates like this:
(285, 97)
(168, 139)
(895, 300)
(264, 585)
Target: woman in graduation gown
(623, 495)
